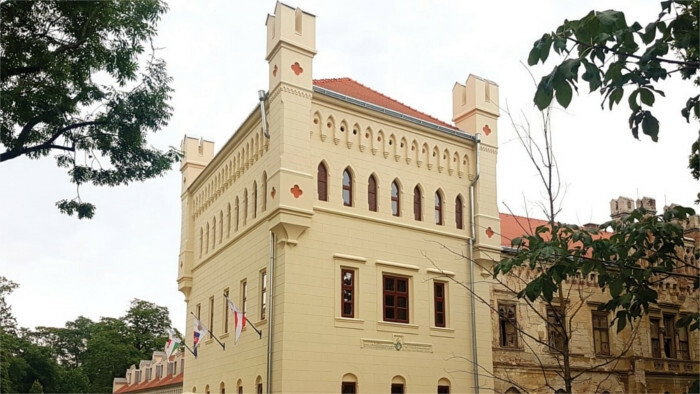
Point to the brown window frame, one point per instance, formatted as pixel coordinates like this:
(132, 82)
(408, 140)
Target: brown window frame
(438, 209)
(601, 333)
(442, 389)
(395, 199)
(347, 175)
(263, 294)
(322, 182)
(396, 295)
(225, 311)
(255, 199)
(260, 388)
(440, 304)
(244, 296)
(669, 336)
(555, 338)
(211, 317)
(655, 336)
(459, 216)
(198, 311)
(507, 321)
(398, 388)
(683, 344)
(417, 204)
(350, 288)
(372, 193)
(348, 387)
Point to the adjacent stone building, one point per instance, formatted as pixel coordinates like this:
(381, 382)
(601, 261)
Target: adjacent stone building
(653, 356)
(159, 375)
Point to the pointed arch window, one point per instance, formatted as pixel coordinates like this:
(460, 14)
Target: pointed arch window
(372, 193)
(438, 208)
(245, 206)
(417, 209)
(347, 188)
(395, 199)
(322, 179)
(264, 191)
(459, 221)
(255, 199)
(206, 250)
(237, 213)
(213, 233)
(221, 226)
(228, 220)
(201, 241)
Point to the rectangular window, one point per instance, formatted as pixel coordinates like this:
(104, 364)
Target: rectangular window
(211, 316)
(260, 388)
(397, 388)
(244, 296)
(395, 299)
(348, 293)
(601, 334)
(669, 336)
(263, 295)
(507, 323)
(555, 324)
(439, 293)
(240, 389)
(348, 388)
(198, 311)
(225, 311)
(683, 343)
(443, 390)
(655, 331)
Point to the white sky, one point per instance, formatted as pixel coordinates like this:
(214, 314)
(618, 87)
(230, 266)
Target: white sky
(411, 51)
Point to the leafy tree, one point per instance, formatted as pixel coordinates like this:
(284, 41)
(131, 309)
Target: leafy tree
(36, 387)
(109, 353)
(74, 82)
(614, 58)
(147, 326)
(8, 323)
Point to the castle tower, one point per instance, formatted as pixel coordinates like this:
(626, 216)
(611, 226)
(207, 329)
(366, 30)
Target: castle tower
(197, 155)
(621, 207)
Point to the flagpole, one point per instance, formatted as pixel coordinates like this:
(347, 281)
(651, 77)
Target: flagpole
(212, 334)
(251, 324)
(187, 347)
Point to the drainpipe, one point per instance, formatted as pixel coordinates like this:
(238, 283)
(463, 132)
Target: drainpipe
(270, 314)
(262, 96)
(471, 264)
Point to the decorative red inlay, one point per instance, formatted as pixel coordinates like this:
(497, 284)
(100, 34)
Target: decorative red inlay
(487, 130)
(274, 71)
(489, 232)
(296, 191)
(297, 68)
(273, 193)
(315, 121)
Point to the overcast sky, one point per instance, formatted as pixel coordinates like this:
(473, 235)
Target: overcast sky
(411, 51)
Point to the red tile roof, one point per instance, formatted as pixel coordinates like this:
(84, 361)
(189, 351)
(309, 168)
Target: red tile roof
(513, 226)
(165, 381)
(356, 90)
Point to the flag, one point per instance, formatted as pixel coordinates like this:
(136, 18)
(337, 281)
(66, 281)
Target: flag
(172, 344)
(239, 318)
(199, 331)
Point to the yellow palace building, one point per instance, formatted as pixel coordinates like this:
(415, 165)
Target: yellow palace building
(334, 218)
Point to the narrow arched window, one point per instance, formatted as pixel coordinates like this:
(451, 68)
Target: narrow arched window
(245, 206)
(372, 193)
(255, 199)
(438, 208)
(237, 213)
(264, 191)
(213, 234)
(201, 241)
(417, 199)
(221, 226)
(458, 213)
(395, 199)
(347, 188)
(228, 220)
(206, 250)
(322, 179)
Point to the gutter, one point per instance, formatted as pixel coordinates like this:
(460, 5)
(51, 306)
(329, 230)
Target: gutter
(472, 234)
(270, 315)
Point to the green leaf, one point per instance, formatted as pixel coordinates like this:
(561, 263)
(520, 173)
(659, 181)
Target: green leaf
(647, 96)
(543, 96)
(564, 93)
(615, 97)
(649, 33)
(634, 106)
(650, 126)
(534, 56)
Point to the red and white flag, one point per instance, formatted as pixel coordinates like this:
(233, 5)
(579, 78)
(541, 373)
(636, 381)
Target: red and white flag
(239, 318)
